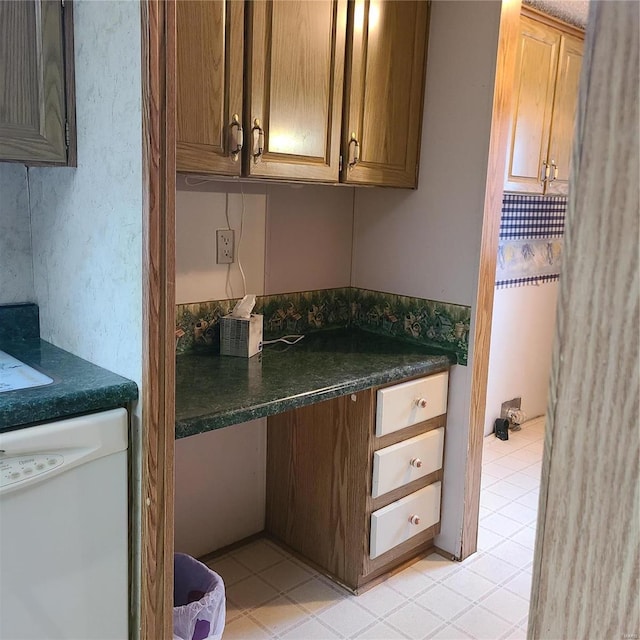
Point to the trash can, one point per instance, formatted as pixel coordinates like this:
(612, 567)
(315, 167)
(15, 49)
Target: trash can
(198, 600)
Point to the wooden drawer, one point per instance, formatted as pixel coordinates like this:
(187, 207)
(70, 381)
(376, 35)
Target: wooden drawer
(406, 461)
(392, 525)
(411, 402)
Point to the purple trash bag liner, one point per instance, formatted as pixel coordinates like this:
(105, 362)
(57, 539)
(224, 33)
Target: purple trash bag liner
(198, 600)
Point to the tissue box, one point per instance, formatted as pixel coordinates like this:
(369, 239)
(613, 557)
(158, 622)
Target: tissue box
(241, 337)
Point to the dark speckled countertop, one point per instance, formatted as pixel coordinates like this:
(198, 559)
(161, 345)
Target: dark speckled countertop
(214, 391)
(78, 386)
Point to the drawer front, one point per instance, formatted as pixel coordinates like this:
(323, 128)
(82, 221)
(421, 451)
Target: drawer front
(406, 461)
(411, 402)
(395, 523)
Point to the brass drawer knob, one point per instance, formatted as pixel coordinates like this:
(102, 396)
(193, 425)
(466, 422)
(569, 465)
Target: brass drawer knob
(415, 462)
(414, 519)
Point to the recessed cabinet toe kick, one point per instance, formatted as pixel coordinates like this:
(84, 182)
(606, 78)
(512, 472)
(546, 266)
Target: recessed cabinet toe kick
(354, 484)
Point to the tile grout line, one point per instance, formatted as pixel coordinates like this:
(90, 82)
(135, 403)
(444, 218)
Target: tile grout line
(444, 621)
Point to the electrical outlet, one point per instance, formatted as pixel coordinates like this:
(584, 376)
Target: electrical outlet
(516, 403)
(225, 247)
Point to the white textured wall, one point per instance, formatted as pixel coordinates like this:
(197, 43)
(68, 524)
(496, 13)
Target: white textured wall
(16, 269)
(521, 342)
(87, 222)
(295, 238)
(426, 243)
(309, 238)
(199, 215)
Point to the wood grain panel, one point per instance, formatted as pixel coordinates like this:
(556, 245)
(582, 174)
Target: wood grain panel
(299, 94)
(295, 59)
(387, 62)
(535, 75)
(564, 111)
(529, 11)
(317, 467)
(210, 38)
(587, 566)
(32, 82)
(20, 72)
(70, 84)
(155, 506)
(502, 100)
(385, 70)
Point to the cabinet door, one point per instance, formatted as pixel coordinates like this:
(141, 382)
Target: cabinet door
(536, 64)
(32, 82)
(318, 477)
(564, 112)
(209, 86)
(384, 84)
(295, 75)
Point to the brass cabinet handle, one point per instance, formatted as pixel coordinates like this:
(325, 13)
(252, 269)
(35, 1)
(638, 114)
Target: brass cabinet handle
(258, 152)
(235, 123)
(356, 151)
(545, 172)
(554, 166)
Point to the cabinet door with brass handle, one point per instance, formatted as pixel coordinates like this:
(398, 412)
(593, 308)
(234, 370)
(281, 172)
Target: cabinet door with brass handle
(210, 41)
(294, 83)
(564, 109)
(384, 90)
(548, 61)
(536, 60)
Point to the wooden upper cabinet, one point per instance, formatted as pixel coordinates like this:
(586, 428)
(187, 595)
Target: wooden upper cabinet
(385, 75)
(564, 113)
(546, 88)
(35, 84)
(536, 64)
(209, 86)
(294, 84)
(296, 110)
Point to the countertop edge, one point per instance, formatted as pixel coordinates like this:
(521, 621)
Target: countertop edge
(202, 424)
(70, 404)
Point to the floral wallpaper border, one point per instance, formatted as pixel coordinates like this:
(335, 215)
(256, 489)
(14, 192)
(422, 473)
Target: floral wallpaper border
(429, 322)
(436, 324)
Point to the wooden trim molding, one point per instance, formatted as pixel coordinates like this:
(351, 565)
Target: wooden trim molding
(158, 382)
(500, 124)
(70, 84)
(552, 21)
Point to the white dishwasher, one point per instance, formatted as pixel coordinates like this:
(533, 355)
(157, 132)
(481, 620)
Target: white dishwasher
(63, 530)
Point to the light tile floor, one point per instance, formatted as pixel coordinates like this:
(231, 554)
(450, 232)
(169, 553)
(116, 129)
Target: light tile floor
(270, 594)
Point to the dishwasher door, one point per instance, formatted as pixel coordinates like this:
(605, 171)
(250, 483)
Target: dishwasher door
(63, 530)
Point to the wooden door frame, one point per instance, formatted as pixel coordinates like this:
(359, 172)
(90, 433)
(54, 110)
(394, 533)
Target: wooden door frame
(500, 126)
(156, 490)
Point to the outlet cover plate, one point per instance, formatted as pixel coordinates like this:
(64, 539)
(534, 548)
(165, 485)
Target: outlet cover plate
(225, 246)
(516, 403)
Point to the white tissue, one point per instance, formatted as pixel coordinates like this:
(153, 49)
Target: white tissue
(244, 307)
